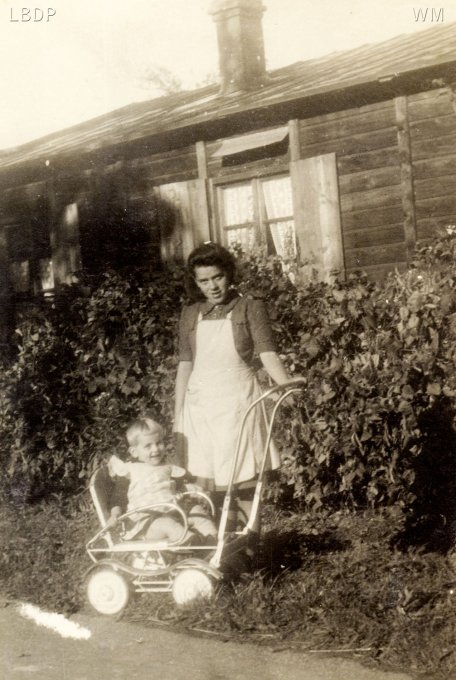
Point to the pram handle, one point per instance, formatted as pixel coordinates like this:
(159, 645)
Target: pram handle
(290, 384)
(287, 388)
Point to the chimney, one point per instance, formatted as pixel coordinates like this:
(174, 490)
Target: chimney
(240, 41)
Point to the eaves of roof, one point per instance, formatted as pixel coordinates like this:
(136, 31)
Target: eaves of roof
(368, 72)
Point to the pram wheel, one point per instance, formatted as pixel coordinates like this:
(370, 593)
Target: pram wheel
(192, 584)
(107, 591)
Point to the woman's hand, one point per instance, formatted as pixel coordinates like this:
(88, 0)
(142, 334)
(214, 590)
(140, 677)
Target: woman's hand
(193, 488)
(111, 523)
(274, 367)
(184, 370)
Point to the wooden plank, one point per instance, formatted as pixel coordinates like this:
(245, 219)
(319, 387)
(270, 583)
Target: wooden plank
(33, 190)
(170, 167)
(372, 218)
(28, 193)
(168, 155)
(435, 207)
(427, 95)
(174, 177)
(435, 187)
(405, 158)
(367, 110)
(380, 272)
(253, 169)
(430, 148)
(317, 215)
(7, 219)
(22, 175)
(363, 162)
(379, 236)
(199, 212)
(201, 159)
(295, 146)
(250, 141)
(378, 255)
(434, 167)
(371, 199)
(357, 143)
(316, 130)
(435, 103)
(433, 127)
(374, 179)
(428, 228)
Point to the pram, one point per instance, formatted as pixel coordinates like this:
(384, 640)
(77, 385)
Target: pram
(122, 567)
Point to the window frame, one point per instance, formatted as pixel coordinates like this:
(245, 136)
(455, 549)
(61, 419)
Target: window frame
(262, 233)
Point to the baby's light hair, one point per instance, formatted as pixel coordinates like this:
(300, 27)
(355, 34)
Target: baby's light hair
(141, 426)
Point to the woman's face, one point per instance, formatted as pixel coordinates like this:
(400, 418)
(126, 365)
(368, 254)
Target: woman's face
(213, 283)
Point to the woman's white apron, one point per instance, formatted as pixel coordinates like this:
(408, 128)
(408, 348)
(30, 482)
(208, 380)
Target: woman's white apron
(220, 389)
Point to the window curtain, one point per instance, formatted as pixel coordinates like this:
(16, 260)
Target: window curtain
(238, 207)
(245, 237)
(238, 204)
(278, 200)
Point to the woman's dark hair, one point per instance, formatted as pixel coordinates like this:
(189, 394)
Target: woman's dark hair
(209, 255)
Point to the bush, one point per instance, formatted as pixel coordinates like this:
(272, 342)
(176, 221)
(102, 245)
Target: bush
(89, 363)
(379, 360)
(378, 357)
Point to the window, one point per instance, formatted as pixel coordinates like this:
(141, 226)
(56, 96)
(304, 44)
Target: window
(30, 268)
(28, 245)
(259, 213)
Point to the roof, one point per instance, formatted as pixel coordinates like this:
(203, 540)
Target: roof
(370, 63)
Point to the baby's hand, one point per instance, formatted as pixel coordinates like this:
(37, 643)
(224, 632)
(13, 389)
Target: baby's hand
(115, 514)
(111, 465)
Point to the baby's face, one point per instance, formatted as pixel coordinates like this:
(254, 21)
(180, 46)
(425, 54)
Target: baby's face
(149, 448)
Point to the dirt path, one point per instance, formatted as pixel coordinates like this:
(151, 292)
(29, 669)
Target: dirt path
(127, 651)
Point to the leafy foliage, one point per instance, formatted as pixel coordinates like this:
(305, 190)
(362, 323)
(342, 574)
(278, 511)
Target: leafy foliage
(373, 429)
(92, 361)
(379, 360)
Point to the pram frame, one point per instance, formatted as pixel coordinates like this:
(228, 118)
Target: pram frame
(154, 579)
(239, 539)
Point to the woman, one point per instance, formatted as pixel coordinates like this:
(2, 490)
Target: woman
(218, 337)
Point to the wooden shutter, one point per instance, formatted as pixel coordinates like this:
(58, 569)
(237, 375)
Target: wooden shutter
(184, 217)
(317, 216)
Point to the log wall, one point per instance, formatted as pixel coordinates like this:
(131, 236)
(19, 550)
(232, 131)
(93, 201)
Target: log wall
(432, 117)
(396, 169)
(365, 143)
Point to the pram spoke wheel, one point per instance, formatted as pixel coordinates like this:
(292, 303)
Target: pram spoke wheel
(192, 584)
(107, 591)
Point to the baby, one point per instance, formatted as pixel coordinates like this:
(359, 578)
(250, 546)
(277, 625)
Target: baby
(152, 481)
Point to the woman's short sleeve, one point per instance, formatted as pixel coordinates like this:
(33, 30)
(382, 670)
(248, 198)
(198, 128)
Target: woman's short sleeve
(260, 327)
(184, 350)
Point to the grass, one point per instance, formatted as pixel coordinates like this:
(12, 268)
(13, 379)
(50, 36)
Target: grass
(322, 582)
